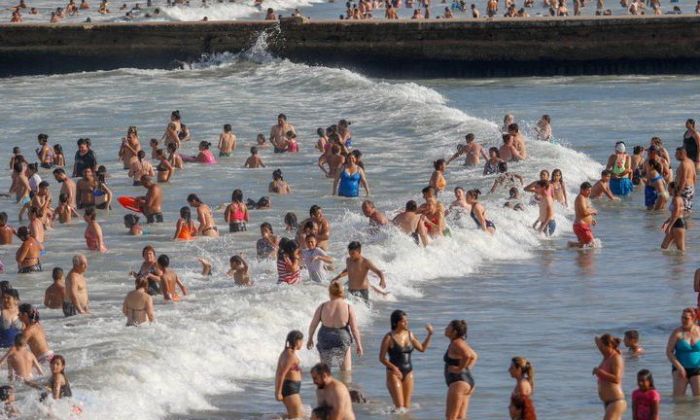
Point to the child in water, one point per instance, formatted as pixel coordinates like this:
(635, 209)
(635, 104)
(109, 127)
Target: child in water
(6, 231)
(292, 144)
(315, 259)
(64, 212)
(59, 159)
(254, 160)
(239, 271)
(645, 399)
(7, 396)
(131, 222)
(260, 141)
(631, 341)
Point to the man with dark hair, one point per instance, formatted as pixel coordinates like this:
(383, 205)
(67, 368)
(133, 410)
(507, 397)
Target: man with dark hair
(356, 268)
(410, 223)
(332, 396)
(84, 158)
(584, 218)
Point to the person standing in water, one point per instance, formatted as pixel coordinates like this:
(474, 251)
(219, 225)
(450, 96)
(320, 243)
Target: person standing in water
(478, 213)
(620, 166)
(645, 399)
(685, 179)
(152, 202)
(609, 374)
(683, 351)
(412, 224)
(138, 304)
(332, 396)
(288, 376)
(338, 331)
(584, 218)
(356, 268)
(76, 299)
(545, 223)
(236, 213)
(279, 131)
(459, 359)
(691, 142)
(34, 333)
(521, 398)
(437, 179)
(93, 232)
(472, 150)
(675, 226)
(207, 227)
(376, 217)
(398, 344)
(227, 142)
(351, 176)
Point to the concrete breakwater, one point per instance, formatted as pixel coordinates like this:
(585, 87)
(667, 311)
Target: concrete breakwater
(503, 47)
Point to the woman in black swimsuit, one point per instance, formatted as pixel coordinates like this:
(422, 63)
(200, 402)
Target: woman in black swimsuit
(399, 343)
(459, 359)
(691, 140)
(288, 376)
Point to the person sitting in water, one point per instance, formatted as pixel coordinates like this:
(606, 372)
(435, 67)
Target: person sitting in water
(254, 161)
(602, 187)
(631, 341)
(131, 221)
(278, 184)
(204, 155)
(514, 202)
(376, 217)
(239, 271)
(620, 166)
(332, 396)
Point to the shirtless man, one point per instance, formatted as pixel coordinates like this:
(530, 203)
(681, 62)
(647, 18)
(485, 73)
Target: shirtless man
(518, 140)
(20, 361)
(76, 299)
(207, 227)
(508, 152)
(227, 142)
(85, 189)
(356, 268)
(472, 151)
(278, 132)
(169, 280)
(376, 217)
(56, 293)
(685, 179)
(332, 396)
(323, 232)
(584, 218)
(545, 223)
(153, 200)
(67, 185)
(411, 223)
(602, 187)
(27, 255)
(7, 232)
(333, 159)
(36, 226)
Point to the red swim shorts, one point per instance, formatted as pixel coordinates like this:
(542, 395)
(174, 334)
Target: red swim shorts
(583, 233)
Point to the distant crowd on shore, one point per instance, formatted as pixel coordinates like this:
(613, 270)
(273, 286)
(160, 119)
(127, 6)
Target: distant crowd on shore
(367, 9)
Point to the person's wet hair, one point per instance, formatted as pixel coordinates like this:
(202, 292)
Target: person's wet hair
(411, 205)
(131, 220)
(321, 369)
(186, 213)
(313, 210)
(645, 375)
(193, 198)
(459, 327)
(290, 219)
(292, 338)
(237, 196)
(5, 392)
(354, 246)
(396, 317)
(164, 261)
(57, 273)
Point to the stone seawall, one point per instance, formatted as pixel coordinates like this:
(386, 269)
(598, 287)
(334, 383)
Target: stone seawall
(433, 48)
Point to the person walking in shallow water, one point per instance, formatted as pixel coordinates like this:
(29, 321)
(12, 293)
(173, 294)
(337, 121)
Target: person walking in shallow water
(459, 359)
(609, 374)
(288, 376)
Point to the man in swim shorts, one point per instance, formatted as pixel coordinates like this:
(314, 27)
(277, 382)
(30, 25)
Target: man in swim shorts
(411, 223)
(76, 299)
(67, 185)
(584, 218)
(152, 201)
(545, 223)
(472, 151)
(332, 396)
(685, 179)
(356, 268)
(279, 131)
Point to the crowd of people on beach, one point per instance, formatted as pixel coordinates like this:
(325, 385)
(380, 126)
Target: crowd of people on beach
(369, 9)
(84, 187)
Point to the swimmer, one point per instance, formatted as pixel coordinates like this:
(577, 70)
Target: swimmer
(376, 217)
(675, 226)
(332, 396)
(646, 400)
(315, 259)
(411, 223)
(165, 169)
(584, 217)
(278, 184)
(683, 351)
(185, 228)
(288, 376)
(685, 179)
(518, 140)
(335, 161)
(174, 157)
(478, 212)
(609, 374)
(493, 162)
(437, 179)
(55, 294)
(288, 262)
(545, 223)
(506, 178)
(524, 374)
(68, 187)
(260, 141)
(460, 202)
(93, 232)
(279, 130)
(207, 227)
(514, 202)
(543, 128)
(620, 167)
(351, 176)
(169, 280)
(267, 245)
(131, 222)
(323, 232)
(27, 255)
(204, 156)
(398, 344)
(239, 271)
(472, 150)
(339, 330)
(227, 142)
(138, 305)
(36, 226)
(558, 188)
(508, 152)
(631, 341)
(34, 334)
(76, 299)
(20, 361)
(130, 147)
(602, 187)
(6, 231)
(459, 360)
(356, 269)
(236, 213)
(64, 212)
(290, 222)
(254, 161)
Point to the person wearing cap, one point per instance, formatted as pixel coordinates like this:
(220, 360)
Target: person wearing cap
(620, 166)
(584, 218)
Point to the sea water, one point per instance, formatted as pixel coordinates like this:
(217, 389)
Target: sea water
(213, 355)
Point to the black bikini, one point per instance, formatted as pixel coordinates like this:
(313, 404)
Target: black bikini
(451, 377)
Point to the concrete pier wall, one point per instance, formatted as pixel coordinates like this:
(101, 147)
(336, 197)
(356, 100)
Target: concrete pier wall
(536, 46)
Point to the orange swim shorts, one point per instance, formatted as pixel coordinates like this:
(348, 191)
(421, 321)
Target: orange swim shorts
(583, 233)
